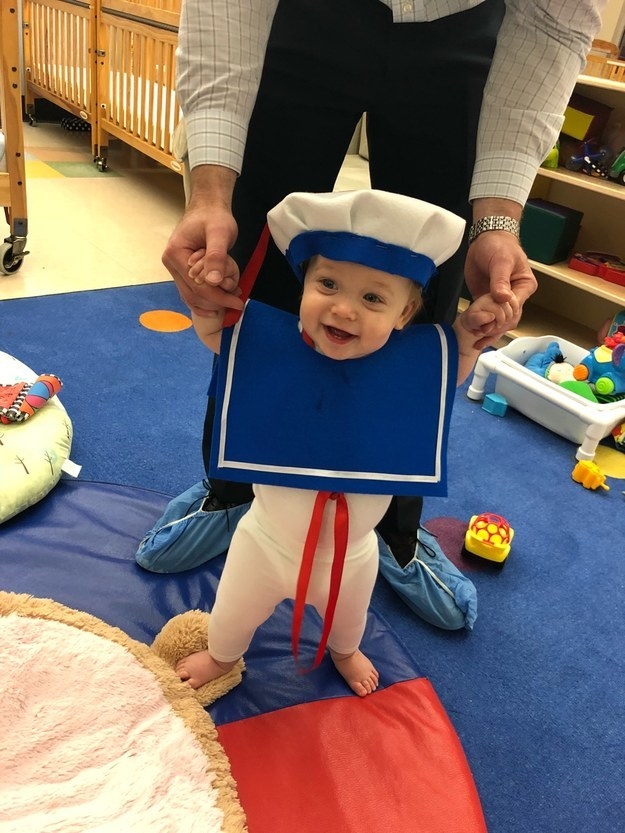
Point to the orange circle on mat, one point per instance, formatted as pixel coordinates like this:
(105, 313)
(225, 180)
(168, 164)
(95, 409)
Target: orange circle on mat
(165, 320)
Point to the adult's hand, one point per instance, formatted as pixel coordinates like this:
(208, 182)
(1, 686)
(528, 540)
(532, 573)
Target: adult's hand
(496, 263)
(196, 254)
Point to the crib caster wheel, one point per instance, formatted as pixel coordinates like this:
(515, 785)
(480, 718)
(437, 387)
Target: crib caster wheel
(9, 261)
(101, 164)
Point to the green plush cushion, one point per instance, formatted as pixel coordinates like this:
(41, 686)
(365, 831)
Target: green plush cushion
(33, 452)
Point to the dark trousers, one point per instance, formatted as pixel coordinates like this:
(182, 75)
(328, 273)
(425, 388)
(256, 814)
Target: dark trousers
(328, 62)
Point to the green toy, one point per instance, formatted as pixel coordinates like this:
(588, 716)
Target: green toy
(617, 169)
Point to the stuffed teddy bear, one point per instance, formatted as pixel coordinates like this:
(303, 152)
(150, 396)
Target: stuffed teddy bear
(185, 634)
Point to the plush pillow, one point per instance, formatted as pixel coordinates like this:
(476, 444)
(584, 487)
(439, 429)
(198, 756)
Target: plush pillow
(33, 452)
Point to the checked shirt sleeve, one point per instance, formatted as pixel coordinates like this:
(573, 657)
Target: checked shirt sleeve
(220, 54)
(540, 51)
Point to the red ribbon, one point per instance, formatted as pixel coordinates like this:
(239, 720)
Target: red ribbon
(341, 530)
(248, 278)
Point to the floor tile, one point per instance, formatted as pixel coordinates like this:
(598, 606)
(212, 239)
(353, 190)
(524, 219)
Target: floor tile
(80, 169)
(55, 154)
(39, 170)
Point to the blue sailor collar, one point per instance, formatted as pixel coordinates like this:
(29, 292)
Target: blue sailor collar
(289, 416)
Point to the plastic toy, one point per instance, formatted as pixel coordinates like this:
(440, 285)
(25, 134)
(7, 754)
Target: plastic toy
(579, 389)
(489, 536)
(617, 169)
(619, 436)
(495, 404)
(589, 159)
(615, 338)
(589, 475)
(600, 264)
(610, 326)
(604, 369)
(552, 159)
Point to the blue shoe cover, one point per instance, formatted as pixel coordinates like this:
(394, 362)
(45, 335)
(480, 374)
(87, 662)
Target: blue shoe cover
(431, 585)
(185, 536)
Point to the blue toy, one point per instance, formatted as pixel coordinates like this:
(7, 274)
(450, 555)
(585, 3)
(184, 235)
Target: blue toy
(604, 369)
(539, 362)
(495, 403)
(551, 364)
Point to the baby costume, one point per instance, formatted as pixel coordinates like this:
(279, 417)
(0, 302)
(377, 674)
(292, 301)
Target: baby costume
(327, 442)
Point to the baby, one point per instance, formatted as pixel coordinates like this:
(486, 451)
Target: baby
(363, 257)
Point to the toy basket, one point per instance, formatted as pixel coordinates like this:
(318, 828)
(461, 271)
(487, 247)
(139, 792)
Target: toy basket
(562, 411)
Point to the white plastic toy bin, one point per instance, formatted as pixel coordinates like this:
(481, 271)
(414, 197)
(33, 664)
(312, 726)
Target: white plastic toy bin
(551, 405)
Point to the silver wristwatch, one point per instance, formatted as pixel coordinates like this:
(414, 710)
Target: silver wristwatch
(494, 224)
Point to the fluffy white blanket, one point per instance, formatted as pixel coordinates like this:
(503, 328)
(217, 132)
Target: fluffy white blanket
(97, 733)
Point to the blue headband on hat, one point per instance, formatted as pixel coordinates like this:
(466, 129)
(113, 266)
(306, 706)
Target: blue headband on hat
(355, 248)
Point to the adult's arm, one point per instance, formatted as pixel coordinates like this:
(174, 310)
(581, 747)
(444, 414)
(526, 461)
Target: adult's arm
(221, 49)
(541, 49)
(220, 54)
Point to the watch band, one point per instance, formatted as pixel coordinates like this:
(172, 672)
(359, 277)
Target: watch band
(494, 224)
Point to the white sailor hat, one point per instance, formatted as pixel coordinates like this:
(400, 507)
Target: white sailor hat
(385, 231)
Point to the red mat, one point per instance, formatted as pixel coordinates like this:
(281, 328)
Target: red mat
(390, 761)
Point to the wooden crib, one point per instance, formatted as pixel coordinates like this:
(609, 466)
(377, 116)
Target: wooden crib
(136, 76)
(12, 175)
(59, 57)
(111, 63)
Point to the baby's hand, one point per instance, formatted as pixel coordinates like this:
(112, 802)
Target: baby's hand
(488, 320)
(228, 282)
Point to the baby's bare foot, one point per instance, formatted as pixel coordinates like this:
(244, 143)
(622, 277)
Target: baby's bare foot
(358, 672)
(200, 668)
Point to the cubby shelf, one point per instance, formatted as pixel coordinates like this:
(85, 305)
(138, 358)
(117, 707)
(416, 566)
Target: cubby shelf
(570, 303)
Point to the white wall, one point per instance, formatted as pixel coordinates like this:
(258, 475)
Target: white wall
(613, 21)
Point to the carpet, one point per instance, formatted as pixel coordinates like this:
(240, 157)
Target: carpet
(97, 733)
(127, 385)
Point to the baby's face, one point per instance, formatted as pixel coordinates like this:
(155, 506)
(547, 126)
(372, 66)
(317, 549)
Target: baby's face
(350, 311)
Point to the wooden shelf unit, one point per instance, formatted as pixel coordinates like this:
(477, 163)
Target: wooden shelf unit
(570, 303)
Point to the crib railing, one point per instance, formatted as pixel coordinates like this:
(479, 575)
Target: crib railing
(59, 55)
(12, 171)
(109, 62)
(136, 77)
